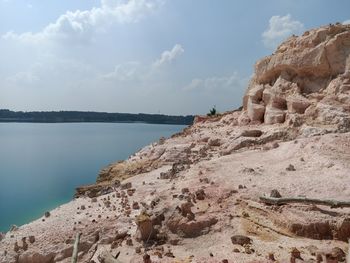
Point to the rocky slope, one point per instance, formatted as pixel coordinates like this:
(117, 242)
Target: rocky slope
(195, 197)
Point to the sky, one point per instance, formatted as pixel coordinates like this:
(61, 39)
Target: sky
(152, 56)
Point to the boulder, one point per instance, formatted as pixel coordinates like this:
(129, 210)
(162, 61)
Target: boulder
(274, 115)
(145, 227)
(240, 240)
(297, 104)
(255, 111)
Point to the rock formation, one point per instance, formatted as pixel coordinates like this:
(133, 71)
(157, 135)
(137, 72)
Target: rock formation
(305, 82)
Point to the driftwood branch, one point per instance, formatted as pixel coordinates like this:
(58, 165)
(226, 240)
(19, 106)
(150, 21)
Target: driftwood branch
(107, 257)
(76, 248)
(304, 200)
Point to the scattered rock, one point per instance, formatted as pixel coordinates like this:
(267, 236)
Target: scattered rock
(138, 250)
(135, 205)
(47, 214)
(129, 242)
(145, 227)
(295, 253)
(251, 133)
(186, 208)
(290, 167)
(271, 256)
(274, 193)
(169, 254)
(16, 247)
(240, 240)
(126, 186)
(131, 192)
(214, 142)
(146, 258)
(337, 254)
(200, 194)
(185, 190)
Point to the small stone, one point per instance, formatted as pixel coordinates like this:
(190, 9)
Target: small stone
(211, 254)
(159, 254)
(271, 256)
(126, 186)
(186, 208)
(248, 250)
(16, 247)
(274, 193)
(240, 240)
(13, 228)
(129, 242)
(130, 192)
(319, 258)
(290, 167)
(47, 214)
(338, 254)
(82, 207)
(245, 214)
(24, 244)
(135, 206)
(169, 254)
(190, 216)
(295, 253)
(137, 250)
(224, 261)
(185, 190)
(200, 194)
(174, 242)
(236, 250)
(146, 258)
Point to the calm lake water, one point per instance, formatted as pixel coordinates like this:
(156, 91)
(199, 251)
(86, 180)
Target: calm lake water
(41, 164)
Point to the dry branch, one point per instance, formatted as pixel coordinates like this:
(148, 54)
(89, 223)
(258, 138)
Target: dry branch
(76, 248)
(304, 200)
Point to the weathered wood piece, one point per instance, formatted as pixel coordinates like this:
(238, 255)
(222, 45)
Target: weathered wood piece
(304, 200)
(76, 248)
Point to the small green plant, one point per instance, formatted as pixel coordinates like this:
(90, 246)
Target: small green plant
(212, 112)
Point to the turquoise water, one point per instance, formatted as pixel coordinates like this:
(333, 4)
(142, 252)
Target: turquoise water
(41, 164)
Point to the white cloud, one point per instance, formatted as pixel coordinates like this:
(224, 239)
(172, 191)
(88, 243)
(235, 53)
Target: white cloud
(217, 84)
(134, 70)
(169, 55)
(124, 72)
(79, 26)
(51, 69)
(280, 27)
(346, 22)
(24, 77)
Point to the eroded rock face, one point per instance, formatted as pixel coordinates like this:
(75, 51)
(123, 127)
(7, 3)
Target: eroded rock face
(310, 71)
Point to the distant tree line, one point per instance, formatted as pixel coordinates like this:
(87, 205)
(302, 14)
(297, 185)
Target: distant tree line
(90, 116)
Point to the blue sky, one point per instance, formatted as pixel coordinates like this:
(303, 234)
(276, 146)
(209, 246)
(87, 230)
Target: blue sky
(166, 56)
